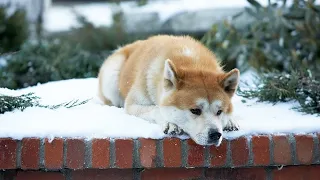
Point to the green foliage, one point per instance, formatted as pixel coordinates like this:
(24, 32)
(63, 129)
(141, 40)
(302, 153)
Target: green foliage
(75, 54)
(97, 39)
(142, 2)
(48, 61)
(10, 103)
(282, 87)
(276, 37)
(93, 39)
(13, 29)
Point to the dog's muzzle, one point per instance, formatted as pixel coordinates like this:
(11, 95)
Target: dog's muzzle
(213, 136)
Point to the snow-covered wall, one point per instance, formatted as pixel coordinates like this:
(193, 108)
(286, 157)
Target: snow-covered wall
(157, 15)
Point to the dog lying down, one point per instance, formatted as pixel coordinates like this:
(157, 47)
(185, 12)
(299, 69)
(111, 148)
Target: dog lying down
(173, 81)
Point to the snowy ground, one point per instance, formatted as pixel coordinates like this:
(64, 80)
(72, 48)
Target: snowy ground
(94, 120)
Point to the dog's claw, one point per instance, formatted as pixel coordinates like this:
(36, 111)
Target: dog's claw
(232, 126)
(231, 129)
(166, 130)
(181, 132)
(172, 129)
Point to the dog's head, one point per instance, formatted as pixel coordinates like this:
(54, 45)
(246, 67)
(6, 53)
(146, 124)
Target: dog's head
(198, 101)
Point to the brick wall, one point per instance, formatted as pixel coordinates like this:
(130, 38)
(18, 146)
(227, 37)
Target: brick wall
(257, 157)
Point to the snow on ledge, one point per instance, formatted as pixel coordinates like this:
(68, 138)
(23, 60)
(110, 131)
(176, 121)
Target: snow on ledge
(94, 120)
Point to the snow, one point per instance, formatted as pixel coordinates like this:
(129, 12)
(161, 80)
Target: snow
(167, 9)
(94, 120)
(91, 120)
(62, 18)
(3, 61)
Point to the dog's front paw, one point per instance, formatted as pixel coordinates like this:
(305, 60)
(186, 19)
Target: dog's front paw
(232, 125)
(172, 129)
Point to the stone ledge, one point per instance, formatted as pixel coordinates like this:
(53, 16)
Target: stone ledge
(77, 154)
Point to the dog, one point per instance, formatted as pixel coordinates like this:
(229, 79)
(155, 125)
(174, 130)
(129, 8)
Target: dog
(175, 82)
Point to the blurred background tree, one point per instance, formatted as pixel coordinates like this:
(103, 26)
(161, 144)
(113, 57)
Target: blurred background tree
(13, 30)
(282, 43)
(279, 36)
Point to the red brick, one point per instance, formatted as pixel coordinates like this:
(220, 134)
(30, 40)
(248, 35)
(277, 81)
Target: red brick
(124, 153)
(147, 153)
(100, 153)
(30, 153)
(195, 154)
(297, 173)
(261, 150)
(75, 153)
(239, 151)
(313, 172)
(9, 174)
(37, 175)
(53, 153)
(172, 152)
(281, 150)
(102, 174)
(237, 173)
(8, 153)
(304, 148)
(172, 174)
(219, 154)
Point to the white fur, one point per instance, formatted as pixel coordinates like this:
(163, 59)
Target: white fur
(216, 106)
(202, 103)
(151, 86)
(187, 52)
(110, 83)
(145, 109)
(168, 72)
(196, 127)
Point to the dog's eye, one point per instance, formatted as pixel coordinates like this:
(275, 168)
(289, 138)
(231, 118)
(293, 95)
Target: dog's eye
(196, 111)
(219, 112)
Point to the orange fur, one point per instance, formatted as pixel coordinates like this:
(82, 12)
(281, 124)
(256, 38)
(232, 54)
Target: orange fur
(199, 76)
(170, 75)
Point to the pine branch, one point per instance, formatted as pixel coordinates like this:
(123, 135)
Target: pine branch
(10, 103)
(282, 87)
(69, 104)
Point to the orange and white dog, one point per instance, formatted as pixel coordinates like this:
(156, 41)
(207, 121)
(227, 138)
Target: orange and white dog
(173, 81)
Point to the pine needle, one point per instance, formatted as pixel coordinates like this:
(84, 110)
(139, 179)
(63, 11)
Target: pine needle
(10, 103)
(283, 87)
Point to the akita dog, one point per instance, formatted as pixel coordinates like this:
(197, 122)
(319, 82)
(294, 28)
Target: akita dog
(173, 81)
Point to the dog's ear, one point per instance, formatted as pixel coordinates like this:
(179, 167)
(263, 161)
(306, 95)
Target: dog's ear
(170, 75)
(230, 81)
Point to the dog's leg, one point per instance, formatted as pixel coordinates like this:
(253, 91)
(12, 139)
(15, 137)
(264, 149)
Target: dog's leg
(232, 125)
(150, 113)
(108, 90)
(172, 129)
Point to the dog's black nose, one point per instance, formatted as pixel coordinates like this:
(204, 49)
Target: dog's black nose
(213, 135)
